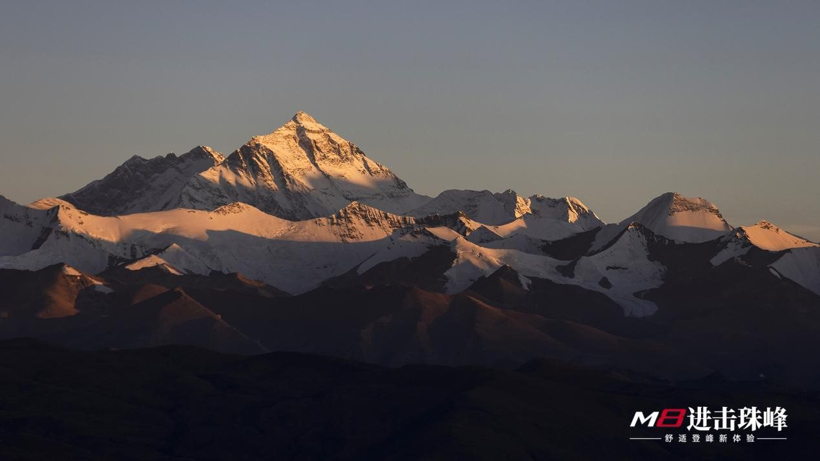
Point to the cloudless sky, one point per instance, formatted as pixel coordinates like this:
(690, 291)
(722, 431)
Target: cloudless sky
(614, 102)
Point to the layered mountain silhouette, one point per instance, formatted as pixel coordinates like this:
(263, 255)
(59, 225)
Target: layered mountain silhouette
(298, 241)
(176, 402)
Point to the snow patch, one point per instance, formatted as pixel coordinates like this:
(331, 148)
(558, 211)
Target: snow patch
(801, 265)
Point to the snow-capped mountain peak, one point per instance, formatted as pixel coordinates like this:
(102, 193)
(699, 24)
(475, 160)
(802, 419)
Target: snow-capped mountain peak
(568, 209)
(767, 236)
(205, 152)
(482, 206)
(304, 119)
(514, 204)
(497, 209)
(678, 204)
(679, 218)
(301, 170)
(763, 235)
(141, 185)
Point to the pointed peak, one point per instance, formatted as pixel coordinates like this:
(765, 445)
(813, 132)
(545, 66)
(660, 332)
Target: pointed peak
(763, 224)
(697, 201)
(356, 215)
(562, 201)
(506, 273)
(768, 236)
(4, 200)
(635, 226)
(303, 117)
(670, 196)
(675, 202)
(304, 120)
(357, 207)
(205, 152)
(576, 202)
(172, 248)
(638, 228)
(682, 219)
(568, 209)
(136, 159)
(483, 235)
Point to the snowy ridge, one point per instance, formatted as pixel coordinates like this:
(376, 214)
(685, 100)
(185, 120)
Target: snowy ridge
(538, 227)
(142, 185)
(234, 238)
(174, 260)
(298, 256)
(299, 171)
(671, 215)
(519, 221)
(769, 237)
(621, 272)
(520, 242)
(566, 209)
(474, 261)
(67, 235)
(481, 206)
(21, 227)
(498, 209)
(483, 235)
(763, 235)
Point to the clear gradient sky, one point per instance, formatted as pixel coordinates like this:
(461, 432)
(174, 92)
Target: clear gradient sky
(614, 102)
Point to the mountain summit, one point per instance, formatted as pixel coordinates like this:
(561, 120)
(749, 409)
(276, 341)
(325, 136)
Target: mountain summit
(141, 185)
(305, 119)
(504, 207)
(299, 171)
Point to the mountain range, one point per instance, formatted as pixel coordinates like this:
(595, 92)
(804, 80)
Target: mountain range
(301, 170)
(299, 241)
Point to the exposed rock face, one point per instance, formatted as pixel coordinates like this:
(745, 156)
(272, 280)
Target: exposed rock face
(141, 185)
(482, 206)
(352, 221)
(568, 209)
(300, 171)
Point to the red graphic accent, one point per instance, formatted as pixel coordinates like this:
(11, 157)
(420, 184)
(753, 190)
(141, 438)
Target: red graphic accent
(674, 414)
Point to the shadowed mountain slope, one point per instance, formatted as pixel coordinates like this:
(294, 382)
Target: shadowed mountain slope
(184, 403)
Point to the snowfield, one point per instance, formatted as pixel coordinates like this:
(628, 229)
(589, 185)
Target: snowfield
(297, 256)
